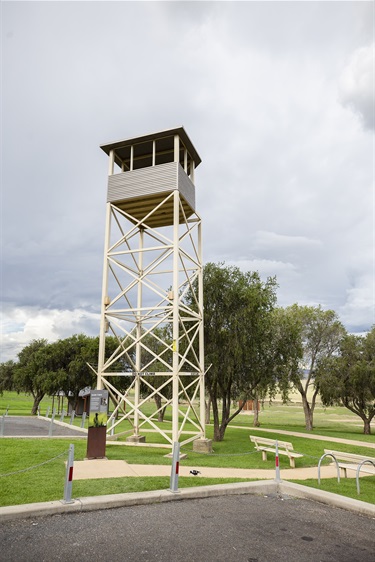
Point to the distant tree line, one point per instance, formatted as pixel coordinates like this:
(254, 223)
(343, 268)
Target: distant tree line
(47, 368)
(253, 349)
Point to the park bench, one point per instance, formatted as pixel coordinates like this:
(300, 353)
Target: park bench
(350, 461)
(269, 446)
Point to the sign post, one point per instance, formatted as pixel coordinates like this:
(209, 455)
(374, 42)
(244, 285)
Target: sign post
(96, 436)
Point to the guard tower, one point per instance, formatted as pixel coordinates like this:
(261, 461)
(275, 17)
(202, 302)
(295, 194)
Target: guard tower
(152, 293)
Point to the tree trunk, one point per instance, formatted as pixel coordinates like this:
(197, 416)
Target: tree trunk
(219, 432)
(219, 428)
(215, 413)
(208, 410)
(309, 413)
(366, 427)
(256, 422)
(161, 411)
(37, 400)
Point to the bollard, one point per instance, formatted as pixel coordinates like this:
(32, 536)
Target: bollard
(6, 411)
(2, 425)
(83, 420)
(47, 412)
(51, 424)
(175, 467)
(38, 411)
(69, 476)
(72, 417)
(277, 466)
(62, 415)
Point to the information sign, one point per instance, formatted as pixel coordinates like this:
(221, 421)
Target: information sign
(98, 408)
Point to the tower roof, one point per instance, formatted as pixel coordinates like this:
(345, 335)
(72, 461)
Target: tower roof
(120, 145)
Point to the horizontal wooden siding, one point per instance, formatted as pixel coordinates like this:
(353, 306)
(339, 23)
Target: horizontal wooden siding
(145, 182)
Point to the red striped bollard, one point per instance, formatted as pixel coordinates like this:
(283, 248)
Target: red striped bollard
(277, 465)
(175, 467)
(69, 476)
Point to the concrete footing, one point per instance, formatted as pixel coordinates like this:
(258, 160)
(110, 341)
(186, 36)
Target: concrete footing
(202, 446)
(181, 458)
(136, 439)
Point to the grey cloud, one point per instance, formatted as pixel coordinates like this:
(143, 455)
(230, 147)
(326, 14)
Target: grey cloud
(356, 85)
(285, 180)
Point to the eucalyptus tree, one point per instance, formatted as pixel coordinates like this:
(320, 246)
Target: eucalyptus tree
(70, 361)
(316, 335)
(348, 378)
(237, 326)
(7, 375)
(30, 372)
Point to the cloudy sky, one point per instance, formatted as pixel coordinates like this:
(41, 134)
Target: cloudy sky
(278, 99)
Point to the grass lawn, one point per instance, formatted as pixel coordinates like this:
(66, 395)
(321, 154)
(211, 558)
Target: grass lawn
(235, 451)
(346, 487)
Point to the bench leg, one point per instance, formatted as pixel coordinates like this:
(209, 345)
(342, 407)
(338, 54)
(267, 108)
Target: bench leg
(264, 455)
(292, 462)
(343, 472)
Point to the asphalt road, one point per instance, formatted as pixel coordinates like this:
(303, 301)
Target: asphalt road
(17, 426)
(229, 528)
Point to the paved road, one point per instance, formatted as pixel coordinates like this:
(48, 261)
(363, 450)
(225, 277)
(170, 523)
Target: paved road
(229, 528)
(17, 426)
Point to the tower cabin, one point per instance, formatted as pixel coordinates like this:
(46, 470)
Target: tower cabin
(144, 170)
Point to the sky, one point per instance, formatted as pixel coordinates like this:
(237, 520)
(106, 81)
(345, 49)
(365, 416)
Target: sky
(277, 98)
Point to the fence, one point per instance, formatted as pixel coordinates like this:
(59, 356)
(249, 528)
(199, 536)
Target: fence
(67, 495)
(175, 464)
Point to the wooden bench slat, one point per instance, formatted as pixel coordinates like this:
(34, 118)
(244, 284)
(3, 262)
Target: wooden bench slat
(352, 458)
(281, 452)
(265, 445)
(349, 456)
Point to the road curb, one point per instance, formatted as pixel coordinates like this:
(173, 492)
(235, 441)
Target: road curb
(265, 487)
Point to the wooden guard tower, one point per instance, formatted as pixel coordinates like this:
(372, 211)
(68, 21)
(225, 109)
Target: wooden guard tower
(152, 294)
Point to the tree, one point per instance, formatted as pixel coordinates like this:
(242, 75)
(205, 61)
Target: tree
(237, 327)
(30, 373)
(348, 378)
(47, 368)
(69, 370)
(288, 351)
(317, 333)
(6, 376)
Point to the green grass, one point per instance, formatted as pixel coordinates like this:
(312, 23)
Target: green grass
(99, 487)
(20, 404)
(39, 484)
(46, 482)
(346, 487)
(333, 421)
(235, 451)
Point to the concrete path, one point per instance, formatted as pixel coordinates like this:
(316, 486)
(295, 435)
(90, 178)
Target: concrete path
(103, 468)
(310, 436)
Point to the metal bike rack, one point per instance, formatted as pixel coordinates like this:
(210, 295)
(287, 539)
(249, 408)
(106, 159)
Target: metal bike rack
(359, 469)
(337, 465)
